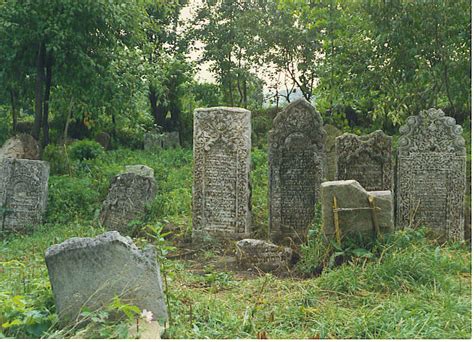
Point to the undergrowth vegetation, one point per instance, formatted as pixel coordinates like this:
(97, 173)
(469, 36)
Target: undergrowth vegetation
(405, 286)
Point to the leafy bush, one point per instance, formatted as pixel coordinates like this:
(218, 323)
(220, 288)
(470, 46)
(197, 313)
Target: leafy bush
(58, 159)
(85, 150)
(71, 199)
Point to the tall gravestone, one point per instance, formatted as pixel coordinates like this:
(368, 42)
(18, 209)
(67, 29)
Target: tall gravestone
(221, 189)
(332, 133)
(366, 159)
(23, 193)
(431, 174)
(296, 170)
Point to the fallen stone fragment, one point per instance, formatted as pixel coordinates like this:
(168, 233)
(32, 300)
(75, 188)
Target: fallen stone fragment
(91, 272)
(353, 210)
(266, 256)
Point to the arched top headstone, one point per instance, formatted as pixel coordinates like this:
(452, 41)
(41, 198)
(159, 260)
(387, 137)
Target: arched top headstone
(431, 131)
(298, 117)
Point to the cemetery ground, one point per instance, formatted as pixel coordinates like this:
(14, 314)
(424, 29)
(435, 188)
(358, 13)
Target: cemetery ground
(407, 286)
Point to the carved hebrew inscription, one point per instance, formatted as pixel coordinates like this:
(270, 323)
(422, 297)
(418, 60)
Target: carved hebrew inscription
(366, 159)
(23, 193)
(296, 166)
(431, 174)
(221, 190)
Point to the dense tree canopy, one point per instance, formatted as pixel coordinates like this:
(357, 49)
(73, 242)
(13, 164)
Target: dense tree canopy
(78, 68)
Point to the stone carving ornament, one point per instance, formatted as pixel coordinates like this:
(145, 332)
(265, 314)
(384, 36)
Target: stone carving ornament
(431, 174)
(221, 189)
(296, 170)
(367, 159)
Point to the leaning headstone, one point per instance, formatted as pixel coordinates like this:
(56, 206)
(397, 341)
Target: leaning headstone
(129, 193)
(23, 193)
(263, 255)
(91, 272)
(330, 149)
(367, 159)
(221, 189)
(296, 169)
(431, 174)
(156, 141)
(21, 146)
(349, 202)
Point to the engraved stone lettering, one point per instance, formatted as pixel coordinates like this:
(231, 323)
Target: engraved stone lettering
(366, 159)
(296, 166)
(23, 193)
(221, 190)
(431, 173)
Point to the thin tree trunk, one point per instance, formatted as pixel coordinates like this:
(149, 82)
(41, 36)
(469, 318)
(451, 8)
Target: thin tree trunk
(39, 92)
(68, 119)
(13, 99)
(47, 93)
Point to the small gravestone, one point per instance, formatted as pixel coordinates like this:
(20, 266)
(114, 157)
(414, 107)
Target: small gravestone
(23, 193)
(367, 159)
(355, 214)
(90, 272)
(263, 255)
(21, 146)
(129, 193)
(221, 190)
(156, 141)
(330, 150)
(296, 169)
(431, 174)
(103, 139)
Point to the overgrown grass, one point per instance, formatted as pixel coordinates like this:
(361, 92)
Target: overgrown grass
(407, 287)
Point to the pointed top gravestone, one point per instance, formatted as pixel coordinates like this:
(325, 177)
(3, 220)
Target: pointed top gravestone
(431, 174)
(296, 168)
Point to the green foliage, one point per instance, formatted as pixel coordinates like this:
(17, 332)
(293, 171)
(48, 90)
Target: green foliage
(58, 159)
(71, 199)
(85, 150)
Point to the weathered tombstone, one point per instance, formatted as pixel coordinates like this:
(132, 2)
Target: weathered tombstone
(263, 255)
(356, 215)
(431, 174)
(330, 149)
(23, 193)
(296, 170)
(221, 189)
(156, 141)
(103, 138)
(367, 159)
(21, 146)
(90, 272)
(129, 193)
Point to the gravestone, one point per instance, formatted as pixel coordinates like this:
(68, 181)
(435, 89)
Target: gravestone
(330, 149)
(367, 159)
(221, 189)
(23, 193)
(21, 146)
(354, 213)
(263, 255)
(156, 141)
(129, 193)
(431, 174)
(296, 170)
(90, 272)
(103, 138)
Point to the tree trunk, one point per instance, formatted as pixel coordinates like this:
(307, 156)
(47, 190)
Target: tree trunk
(13, 98)
(47, 93)
(68, 119)
(39, 92)
(156, 110)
